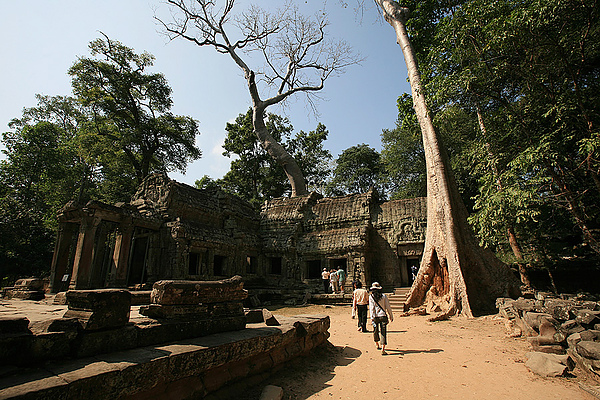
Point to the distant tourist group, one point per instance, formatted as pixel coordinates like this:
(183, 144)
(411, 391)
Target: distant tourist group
(333, 281)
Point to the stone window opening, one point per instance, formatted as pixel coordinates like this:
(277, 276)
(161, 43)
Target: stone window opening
(219, 265)
(275, 264)
(251, 264)
(194, 263)
(313, 269)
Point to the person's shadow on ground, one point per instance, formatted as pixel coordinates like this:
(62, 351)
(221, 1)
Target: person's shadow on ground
(401, 352)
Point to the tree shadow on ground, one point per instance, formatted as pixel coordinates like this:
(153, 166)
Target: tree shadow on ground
(300, 378)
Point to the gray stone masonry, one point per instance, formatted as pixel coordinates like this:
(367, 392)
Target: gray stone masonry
(554, 325)
(191, 368)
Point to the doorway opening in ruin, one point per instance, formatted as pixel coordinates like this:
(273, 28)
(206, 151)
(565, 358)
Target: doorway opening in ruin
(218, 265)
(103, 260)
(337, 263)
(313, 269)
(251, 264)
(412, 267)
(275, 265)
(196, 262)
(137, 263)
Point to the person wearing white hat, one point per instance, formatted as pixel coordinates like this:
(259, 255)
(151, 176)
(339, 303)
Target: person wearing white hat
(381, 314)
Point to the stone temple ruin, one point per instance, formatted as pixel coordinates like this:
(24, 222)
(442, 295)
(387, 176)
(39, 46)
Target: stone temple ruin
(171, 230)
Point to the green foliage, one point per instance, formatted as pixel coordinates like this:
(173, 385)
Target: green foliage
(97, 145)
(531, 70)
(358, 169)
(129, 111)
(403, 154)
(254, 175)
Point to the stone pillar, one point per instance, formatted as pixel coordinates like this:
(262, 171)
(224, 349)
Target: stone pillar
(60, 258)
(121, 254)
(84, 254)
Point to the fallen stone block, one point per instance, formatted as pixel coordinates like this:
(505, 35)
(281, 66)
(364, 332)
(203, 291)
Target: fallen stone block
(269, 318)
(199, 311)
(99, 309)
(525, 328)
(14, 324)
(90, 343)
(535, 319)
(508, 311)
(55, 325)
(60, 299)
(271, 392)
(590, 335)
(571, 326)
(588, 349)
(547, 365)
(547, 329)
(171, 292)
(587, 317)
(35, 284)
(547, 348)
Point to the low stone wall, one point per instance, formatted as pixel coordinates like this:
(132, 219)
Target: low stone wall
(190, 368)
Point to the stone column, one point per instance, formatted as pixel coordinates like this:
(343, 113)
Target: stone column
(84, 254)
(121, 254)
(60, 258)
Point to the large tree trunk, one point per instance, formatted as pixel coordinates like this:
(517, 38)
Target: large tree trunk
(275, 150)
(455, 273)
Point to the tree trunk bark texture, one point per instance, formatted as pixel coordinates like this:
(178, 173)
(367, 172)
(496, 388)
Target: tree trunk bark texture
(276, 150)
(455, 273)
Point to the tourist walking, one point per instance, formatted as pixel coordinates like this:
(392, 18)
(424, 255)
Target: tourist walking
(381, 315)
(341, 273)
(360, 303)
(333, 278)
(325, 278)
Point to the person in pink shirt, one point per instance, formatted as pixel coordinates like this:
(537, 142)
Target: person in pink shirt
(360, 303)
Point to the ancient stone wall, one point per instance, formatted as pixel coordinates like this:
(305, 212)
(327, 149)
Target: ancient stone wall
(174, 231)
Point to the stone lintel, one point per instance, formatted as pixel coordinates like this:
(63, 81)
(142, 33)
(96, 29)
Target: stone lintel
(176, 292)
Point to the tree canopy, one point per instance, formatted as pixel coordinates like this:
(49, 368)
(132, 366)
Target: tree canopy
(358, 169)
(97, 145)
(254, 175)
(129, 110)
(295, 56)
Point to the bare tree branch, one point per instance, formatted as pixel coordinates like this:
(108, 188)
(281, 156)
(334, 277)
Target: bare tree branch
(296, 56)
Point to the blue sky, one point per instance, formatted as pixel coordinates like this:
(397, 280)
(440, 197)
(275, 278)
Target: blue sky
(41, 39)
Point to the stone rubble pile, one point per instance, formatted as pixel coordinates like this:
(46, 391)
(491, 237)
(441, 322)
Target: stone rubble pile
(26, 289)
(563, 331)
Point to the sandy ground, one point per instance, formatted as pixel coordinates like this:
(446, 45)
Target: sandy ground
(456, 359)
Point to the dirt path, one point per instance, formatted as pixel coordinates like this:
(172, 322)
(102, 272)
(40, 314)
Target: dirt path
(456, 359)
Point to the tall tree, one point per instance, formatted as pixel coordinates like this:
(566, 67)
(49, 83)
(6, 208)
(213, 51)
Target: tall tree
(358, 169)
(455, 272)
(129, 110)
(35, 180)
(297, 58)
(93, 146)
